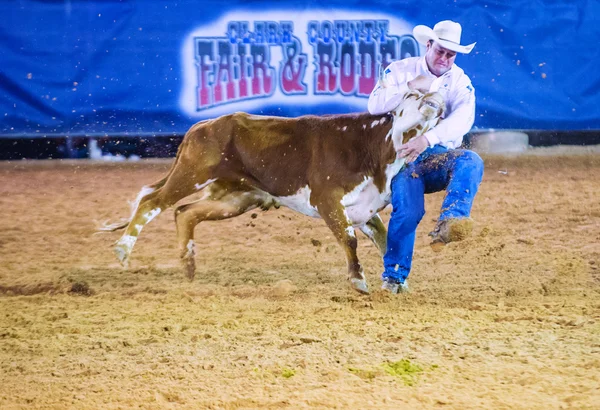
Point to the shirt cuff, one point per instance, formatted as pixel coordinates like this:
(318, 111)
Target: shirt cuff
(432, 138)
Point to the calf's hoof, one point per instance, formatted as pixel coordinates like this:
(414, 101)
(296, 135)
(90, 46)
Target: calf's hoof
(360, 285)
(122, 254)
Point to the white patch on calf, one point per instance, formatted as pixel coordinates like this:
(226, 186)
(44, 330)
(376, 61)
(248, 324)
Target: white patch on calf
(352, 197)
(191, 249)
(344, 128)
(300, 202)
(127, 242)
(134, 205)
(363, 202)
(152, 214)
(410, 118)
(390, 172)
(389, 134)
(377, 122)
(200, 186)
(350, 231)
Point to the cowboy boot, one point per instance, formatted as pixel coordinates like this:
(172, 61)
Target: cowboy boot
(450, 230)
(395, 287)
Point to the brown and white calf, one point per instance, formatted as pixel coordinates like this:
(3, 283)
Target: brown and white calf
(336, 167)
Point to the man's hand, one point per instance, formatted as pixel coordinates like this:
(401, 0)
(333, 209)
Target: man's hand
(421, 83)
(413, 148)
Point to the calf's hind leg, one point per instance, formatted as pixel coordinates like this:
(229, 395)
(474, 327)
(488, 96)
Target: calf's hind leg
(220, 203)
(178, 186)
(150, 207)
(376, 232)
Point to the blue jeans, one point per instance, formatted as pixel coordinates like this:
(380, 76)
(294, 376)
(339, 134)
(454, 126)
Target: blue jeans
(437, 168)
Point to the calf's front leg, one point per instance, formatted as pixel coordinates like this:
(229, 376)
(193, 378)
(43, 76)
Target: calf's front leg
(334, 216)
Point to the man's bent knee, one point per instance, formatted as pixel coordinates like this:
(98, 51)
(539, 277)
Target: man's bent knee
(473, 158)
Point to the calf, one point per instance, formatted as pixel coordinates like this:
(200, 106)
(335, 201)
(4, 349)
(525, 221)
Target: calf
(337, 167)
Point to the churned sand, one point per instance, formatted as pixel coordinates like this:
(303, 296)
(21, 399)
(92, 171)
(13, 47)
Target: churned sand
(507, 319)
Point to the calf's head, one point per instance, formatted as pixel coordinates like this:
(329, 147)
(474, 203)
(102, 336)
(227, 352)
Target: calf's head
(416, 114)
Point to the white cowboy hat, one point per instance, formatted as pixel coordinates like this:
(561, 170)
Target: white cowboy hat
(446, 33)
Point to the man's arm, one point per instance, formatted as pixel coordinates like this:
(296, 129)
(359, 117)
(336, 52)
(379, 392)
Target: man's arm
(389, 91)
(459, 122)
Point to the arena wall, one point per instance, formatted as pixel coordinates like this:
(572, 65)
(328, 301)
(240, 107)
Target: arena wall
(150, 69)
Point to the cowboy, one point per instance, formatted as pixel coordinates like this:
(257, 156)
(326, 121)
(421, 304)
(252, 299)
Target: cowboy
(434, 161)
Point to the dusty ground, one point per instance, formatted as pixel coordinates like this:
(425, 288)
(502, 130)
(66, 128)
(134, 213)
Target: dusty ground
(507, 319)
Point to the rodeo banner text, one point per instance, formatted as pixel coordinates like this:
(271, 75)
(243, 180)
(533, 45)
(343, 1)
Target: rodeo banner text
(346, 57)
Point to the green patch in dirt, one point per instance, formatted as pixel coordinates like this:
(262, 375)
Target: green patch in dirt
(287, 373)
(403, 369)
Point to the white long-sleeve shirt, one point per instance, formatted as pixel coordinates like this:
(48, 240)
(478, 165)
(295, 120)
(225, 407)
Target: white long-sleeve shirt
(455, 86)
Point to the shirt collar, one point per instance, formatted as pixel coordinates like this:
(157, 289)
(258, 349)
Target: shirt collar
(423, 69)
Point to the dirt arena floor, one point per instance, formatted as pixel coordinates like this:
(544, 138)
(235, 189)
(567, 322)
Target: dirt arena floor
(507, 319)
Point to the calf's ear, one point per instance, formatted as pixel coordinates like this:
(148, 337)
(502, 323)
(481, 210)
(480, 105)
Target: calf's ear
(413, 94)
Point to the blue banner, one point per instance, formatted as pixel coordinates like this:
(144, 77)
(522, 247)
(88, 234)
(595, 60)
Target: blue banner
(153, 68)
